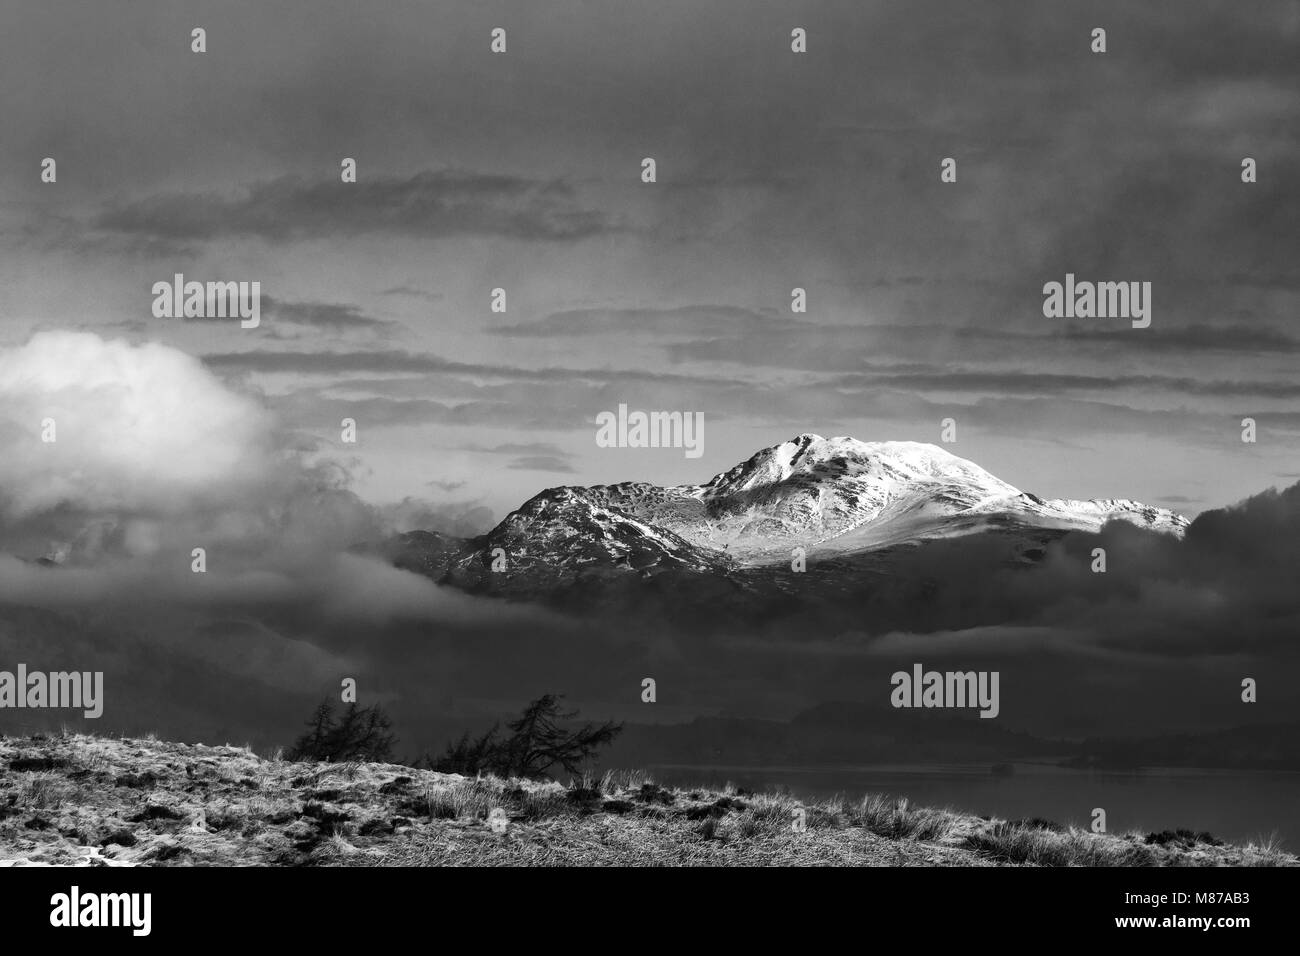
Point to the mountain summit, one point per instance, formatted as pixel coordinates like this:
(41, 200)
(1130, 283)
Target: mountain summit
(841, 494)
(837, 498)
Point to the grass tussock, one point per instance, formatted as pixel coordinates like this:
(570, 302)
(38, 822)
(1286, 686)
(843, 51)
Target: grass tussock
(1017, 842)
(897, 819)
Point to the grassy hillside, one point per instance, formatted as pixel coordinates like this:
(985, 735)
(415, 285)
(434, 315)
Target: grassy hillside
(77, 799)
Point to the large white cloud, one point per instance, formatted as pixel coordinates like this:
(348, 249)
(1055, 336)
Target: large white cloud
(138, 428)
(154, 456)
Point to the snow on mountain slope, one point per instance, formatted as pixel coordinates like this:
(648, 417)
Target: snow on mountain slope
(564, 537)
(834, 497)
(840, 495)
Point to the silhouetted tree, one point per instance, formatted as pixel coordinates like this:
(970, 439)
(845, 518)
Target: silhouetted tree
(536, 743)
(471, 756)
(359, 733)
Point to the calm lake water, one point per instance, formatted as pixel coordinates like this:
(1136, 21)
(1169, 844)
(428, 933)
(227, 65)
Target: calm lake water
(1234, 805)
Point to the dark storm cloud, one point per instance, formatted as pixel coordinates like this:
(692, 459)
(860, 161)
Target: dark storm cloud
(819, 170)
(430, 204)
(1176, 622)
(1212, 45)
(1226, 588)
(328, 316)
(1124, 232)
(1289, 282)
(173, 663)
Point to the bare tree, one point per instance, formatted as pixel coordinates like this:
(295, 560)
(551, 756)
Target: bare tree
(360, 733)
(537, 742)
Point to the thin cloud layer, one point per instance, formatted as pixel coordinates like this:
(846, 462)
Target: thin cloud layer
(431, 204)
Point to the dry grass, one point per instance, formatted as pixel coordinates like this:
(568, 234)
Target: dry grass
(1267, 851)
(79, 799)
(1021, 843)
(42, 790)
(897, 819)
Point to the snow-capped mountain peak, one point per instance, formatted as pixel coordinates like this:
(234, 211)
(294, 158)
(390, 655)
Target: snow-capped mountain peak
(841, 494)
(847, 458)
(832, 497)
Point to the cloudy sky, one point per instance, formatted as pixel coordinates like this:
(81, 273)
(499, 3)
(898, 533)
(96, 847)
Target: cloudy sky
(522, 171)
(775, 170)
